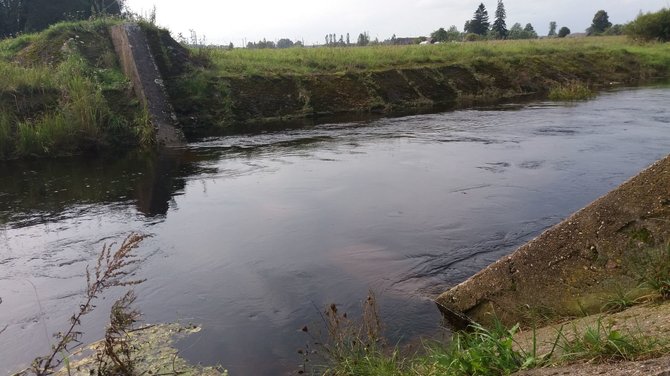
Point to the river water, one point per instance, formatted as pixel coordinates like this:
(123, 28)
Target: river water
(251, 236)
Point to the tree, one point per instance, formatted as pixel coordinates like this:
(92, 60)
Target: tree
(453, 33)
(601, 22)
(530, 31)
(348, 40)
(363, 39)
(499, 26)
(479, 24)
(439, 35)
(552, 29)
(284, 43)
(18, 16)
(564, 32)
(650, 26)
(517, 32)
(617, 29)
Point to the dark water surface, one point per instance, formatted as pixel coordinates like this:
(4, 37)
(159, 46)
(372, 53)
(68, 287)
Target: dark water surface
(250, 234)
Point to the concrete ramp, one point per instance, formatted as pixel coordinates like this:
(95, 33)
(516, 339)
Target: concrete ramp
(140, 67)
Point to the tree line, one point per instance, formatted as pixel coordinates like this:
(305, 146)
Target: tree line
(19, 16)
(480, 27)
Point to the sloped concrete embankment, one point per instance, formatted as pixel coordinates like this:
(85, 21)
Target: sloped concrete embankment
(140, 67)
(571, 268)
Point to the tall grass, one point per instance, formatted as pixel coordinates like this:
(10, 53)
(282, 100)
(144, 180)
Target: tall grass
(346, 59)
(51, 94)
(571, 91)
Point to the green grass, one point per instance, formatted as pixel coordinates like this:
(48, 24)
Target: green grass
(656, 273)
(52, 94)
(298, 61)
(603, 343)
(571, 91)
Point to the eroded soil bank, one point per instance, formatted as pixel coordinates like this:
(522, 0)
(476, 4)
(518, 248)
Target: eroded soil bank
(204, 97)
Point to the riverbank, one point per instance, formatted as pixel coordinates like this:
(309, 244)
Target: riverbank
(64, 92)
(250, 88)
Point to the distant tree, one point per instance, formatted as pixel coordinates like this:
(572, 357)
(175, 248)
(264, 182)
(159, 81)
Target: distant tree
(499, 27)
(348, 40)
(552, 29)
(261, 44)
(453, 34)
(12, 17)
(601, 22)
(231, 46)
(341, 41)
(363, 39)
(650, 26)
(530, 31)
(479, 24)
(617, 29)
(284, 43)
(517, 32)
(439, 35)
(563, 32)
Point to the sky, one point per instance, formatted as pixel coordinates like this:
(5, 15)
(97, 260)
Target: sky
(222, 22)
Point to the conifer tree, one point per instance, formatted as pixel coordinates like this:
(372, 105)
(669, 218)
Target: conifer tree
(480, 22)
(499, 26)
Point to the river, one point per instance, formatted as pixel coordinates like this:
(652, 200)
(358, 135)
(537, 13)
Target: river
(251, 236)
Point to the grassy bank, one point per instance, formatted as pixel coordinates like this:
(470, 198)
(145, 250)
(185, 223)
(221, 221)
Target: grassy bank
(626, 330)
(253, 87)
(559, 52)
(62, 92)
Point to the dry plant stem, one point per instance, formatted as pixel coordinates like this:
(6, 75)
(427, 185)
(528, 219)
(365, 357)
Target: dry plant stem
(110, 271)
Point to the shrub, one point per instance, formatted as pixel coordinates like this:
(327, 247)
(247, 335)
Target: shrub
(651, 26)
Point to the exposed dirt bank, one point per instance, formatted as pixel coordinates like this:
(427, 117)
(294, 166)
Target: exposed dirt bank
(203, 99)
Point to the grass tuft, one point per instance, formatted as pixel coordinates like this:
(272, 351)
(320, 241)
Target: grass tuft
(603, 343)
(571, 91)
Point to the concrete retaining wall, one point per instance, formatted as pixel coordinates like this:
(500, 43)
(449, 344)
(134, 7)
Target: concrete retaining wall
(139, 66)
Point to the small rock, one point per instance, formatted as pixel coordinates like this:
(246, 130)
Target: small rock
(611, 265)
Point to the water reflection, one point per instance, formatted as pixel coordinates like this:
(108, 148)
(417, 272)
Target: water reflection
(252, 232)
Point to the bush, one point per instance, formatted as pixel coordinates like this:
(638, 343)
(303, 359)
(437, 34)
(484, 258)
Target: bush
(564, 32)
(651, 26)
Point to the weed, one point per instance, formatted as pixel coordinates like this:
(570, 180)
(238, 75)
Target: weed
(353, 348)
(112, 270)
(656, 273)
(571, 91)
(620, 301)
(115, 355)
(482, 351)
(357, 348)
(603, 343)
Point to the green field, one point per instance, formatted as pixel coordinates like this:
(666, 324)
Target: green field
(62, 91)
(328, 60)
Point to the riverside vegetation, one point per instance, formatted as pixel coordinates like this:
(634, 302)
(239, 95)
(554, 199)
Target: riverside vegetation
(351, 347)
(63, 92)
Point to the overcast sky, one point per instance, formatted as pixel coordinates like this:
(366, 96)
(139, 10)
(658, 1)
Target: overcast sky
(310, 20)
